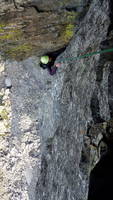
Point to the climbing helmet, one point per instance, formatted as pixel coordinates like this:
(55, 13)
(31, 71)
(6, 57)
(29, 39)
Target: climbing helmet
(44, 59)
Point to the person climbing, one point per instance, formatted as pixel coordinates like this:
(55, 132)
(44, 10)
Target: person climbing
(47, 61)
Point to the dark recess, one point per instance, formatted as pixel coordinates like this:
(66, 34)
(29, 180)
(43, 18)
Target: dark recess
(95, 108)
(111, 17)
(110, 90)
(101, 178)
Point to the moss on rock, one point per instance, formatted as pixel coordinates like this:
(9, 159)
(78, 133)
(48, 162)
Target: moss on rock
(19, 51)
(68, 32)
(4, 114)
(26, 34)
(1, 100)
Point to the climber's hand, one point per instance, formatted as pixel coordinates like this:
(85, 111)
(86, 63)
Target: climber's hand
(57, 64)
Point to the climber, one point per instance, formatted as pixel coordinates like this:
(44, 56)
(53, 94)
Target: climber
(47, 62)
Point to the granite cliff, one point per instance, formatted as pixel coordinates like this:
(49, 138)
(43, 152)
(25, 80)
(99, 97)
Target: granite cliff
(51, 126)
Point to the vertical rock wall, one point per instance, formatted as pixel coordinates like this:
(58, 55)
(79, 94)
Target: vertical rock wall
(46, 154)
(81, 99)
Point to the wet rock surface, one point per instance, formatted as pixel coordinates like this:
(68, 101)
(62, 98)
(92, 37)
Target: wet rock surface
(53, 125)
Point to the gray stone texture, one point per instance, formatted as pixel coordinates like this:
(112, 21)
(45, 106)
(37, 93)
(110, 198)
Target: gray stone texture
(46, 155)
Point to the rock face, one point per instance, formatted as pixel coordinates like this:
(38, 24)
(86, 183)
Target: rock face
(41, 5)
(52, 123)
(33, 28)
(83, 98)
(27, 33)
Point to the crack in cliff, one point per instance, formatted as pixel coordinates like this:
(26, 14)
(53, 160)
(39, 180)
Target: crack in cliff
(95, 109)
(35, 7)
(39, 10)
(111, 18)
(110, 90)
(14, 2)
(95, 104)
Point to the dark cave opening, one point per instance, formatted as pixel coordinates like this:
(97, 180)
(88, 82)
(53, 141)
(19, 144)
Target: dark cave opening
(101, 177)
(55, 54)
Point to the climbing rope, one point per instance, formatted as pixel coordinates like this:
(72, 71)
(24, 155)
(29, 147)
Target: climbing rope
(85, 55)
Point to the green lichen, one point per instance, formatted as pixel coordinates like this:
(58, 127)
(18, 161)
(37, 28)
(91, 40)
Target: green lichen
(22, 38)
(4, 114)
(68, 29)
(8, 126)
(64, 3)
(19, 51)
(2, 26)
(4, 134)
(1, 30)
(68, 32)
(12, 35)
(9, 32)
(72, 16)
(1, 100)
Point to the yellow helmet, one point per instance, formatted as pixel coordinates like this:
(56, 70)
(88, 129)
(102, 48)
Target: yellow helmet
(44, 59)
